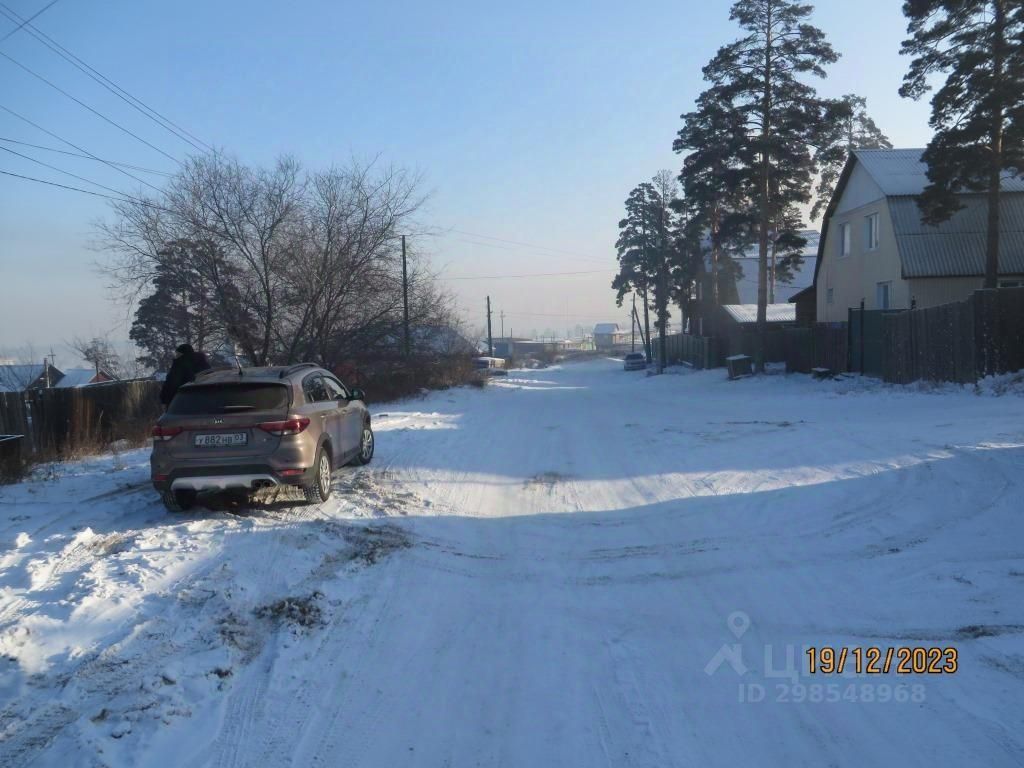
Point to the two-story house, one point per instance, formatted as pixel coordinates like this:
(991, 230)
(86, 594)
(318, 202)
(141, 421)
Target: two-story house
(875, 248)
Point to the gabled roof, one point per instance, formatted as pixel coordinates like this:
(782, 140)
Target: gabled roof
(900, 172)
(603, 328)
(16, 378)
(76, 377)
(747, 313)
(955, 248)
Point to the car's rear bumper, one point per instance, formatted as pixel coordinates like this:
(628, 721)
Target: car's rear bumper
(247, 477)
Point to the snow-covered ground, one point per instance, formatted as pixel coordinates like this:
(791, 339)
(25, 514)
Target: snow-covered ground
(573, 567)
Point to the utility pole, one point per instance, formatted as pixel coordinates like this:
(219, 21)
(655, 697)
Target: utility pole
(632, 326)
(490, 340)
(503, 323)
(405, 297)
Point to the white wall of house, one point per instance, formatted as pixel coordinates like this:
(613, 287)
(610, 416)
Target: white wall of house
(845, 280)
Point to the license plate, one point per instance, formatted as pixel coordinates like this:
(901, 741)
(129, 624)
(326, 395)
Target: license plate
(222, 440)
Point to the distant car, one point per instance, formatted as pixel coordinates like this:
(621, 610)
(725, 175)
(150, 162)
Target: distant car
(634, 361)
(243, 429)
(489, 366)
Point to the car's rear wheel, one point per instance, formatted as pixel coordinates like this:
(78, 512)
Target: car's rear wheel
(319, 490)
(366, 444)
(178, 501)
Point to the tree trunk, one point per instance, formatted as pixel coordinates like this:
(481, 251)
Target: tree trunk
(995, 166)
(765, 201)
(648, 352)
(662, 316)
(715, 248)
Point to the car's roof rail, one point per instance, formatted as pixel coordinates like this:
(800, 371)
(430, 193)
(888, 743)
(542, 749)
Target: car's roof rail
(297, 367)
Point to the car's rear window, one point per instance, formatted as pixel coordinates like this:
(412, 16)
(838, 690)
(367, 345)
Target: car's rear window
(229, 398)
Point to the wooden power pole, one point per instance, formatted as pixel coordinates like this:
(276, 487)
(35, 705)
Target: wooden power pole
(405, 298)
(490, 340)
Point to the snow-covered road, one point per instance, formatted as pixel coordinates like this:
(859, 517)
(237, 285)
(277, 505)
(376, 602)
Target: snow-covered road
(574, 567)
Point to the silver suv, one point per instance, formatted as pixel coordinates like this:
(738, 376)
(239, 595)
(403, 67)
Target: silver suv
(243, 429)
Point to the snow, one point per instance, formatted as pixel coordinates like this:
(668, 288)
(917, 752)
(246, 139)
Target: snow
(569, 567)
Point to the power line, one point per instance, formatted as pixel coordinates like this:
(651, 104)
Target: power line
(527, 245)
(132, 101)
(65, 186)
(533, 274)
(85, 157)
(560, 314)
(25, 22)
(80, 149)
(94, 111)
(61, 170)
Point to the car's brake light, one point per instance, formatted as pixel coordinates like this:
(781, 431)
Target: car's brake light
(165, 433)
(291, 426)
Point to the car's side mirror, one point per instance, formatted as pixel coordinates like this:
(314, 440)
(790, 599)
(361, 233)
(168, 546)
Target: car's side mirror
(357, 394)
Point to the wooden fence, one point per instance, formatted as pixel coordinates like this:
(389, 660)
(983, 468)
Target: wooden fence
(744, 342)
(960, 342)
(822, 345)
(698, 351)
(59, 422)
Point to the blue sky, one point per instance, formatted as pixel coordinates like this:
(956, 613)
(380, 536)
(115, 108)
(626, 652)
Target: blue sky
(529, 121)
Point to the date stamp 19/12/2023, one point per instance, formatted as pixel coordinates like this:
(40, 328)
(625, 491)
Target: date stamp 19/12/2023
(830, 673)
(875, 660)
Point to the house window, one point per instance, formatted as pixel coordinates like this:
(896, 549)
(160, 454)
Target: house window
(1011, 283)
(882, 292)
(844, 239)
(829, 296)
(871, 232)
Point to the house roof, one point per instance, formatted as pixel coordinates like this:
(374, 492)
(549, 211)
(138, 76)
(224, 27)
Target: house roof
(603, 328)
(900, 172)
(75, 377)
(955, 248)
(747, 313)
(15, 378)
(803, 275)
(808, 291)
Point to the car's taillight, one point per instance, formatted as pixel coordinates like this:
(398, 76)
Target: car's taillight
(165, 433)
(291, 426)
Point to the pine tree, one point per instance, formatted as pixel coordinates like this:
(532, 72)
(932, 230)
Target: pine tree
(978, 113)
(760, 77)
(194, 299)
(636, 248)
(716, 186)
(853, 128)
(669, 263)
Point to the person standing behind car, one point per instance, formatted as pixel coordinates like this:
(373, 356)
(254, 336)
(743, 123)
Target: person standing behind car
(187, 363)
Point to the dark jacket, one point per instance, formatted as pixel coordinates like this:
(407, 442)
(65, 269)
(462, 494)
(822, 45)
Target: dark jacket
(183, 370)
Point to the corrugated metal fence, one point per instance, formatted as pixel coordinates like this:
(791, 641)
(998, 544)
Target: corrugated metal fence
(58, 422)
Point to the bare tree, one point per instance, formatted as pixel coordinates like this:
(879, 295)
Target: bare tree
(99, 353)
(303, 266)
